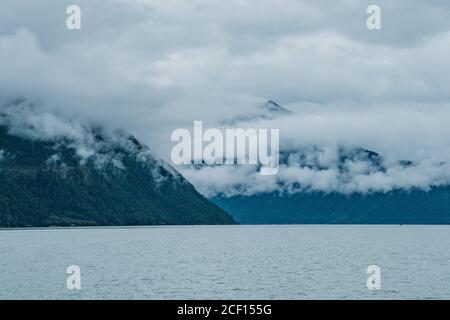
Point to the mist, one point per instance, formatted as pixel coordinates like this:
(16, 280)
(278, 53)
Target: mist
(150, 67)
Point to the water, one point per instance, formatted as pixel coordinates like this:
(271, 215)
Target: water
(227, 262)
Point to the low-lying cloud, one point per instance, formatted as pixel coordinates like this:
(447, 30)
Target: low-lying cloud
(151, 66)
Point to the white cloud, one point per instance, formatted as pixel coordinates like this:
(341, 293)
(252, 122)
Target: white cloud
(150, 66)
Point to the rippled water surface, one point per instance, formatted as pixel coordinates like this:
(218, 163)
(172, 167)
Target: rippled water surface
(227, 262)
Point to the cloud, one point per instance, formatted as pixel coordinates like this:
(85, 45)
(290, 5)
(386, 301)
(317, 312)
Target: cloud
(151, 66)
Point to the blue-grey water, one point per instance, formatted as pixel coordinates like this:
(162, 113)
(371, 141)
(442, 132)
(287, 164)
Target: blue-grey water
(227, 262)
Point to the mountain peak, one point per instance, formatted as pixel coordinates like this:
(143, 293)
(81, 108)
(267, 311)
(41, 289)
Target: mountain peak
(272, 106)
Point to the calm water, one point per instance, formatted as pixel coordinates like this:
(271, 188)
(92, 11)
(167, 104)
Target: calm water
(229, 262)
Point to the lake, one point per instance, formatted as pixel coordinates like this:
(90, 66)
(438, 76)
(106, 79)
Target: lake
(227, 262)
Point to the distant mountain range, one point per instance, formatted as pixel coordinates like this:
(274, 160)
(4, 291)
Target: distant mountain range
(397, 207)
(112, 179)
(299, 206)
(48, 183)
(302, 206)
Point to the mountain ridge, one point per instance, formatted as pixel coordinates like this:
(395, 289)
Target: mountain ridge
(395, 207)
(47, 183)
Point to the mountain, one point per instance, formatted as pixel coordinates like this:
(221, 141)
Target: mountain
(272, 108)
(299, 206)
(108, 180)
(266, 111)
(397, 207)
(295, 204)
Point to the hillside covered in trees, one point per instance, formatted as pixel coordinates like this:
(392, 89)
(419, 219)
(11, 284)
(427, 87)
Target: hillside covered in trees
(111, 180)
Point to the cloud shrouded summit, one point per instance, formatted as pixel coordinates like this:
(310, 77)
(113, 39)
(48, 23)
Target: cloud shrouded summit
(150, 67)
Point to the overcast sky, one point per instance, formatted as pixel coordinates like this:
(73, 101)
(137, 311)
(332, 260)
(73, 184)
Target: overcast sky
(152, 66)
